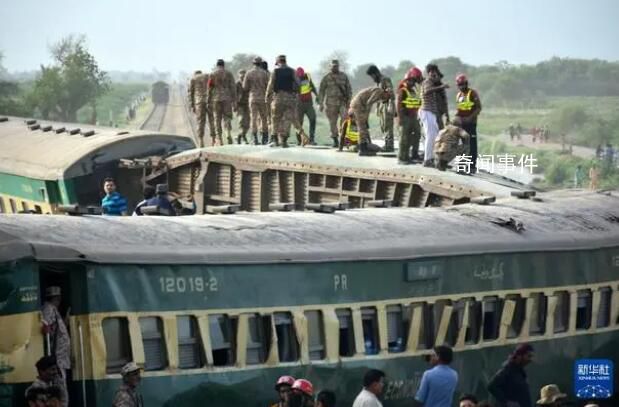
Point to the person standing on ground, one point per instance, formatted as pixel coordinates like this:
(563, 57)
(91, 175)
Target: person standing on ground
(242, 103)
(221, 98)
(373, 384)
(282, 93)
(197, 103)
(127, 394)
(408, 102)
(48, 376)
(255, 84)
(579, 176)
(113, 203)
(55, 326)
(429, 113)
(509, 385)
(594, 177)
(468, 108)
(438, 384)
(335, 92)
(283, 387)
(305, 107)
(360, 107)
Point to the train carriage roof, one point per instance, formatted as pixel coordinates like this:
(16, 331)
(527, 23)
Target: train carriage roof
(48, 155)
(562, 221)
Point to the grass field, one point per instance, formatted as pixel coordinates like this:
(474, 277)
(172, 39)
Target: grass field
(113, 105)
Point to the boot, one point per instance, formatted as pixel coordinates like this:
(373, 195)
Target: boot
(245, 139)
(213, 141)
(428, 163)
(284, 141)
(312, 141)
(273, 141)
(255, 135)
(335, 143)
(221, 140)
(364, 150)
(265, 138)
(238, 139)
(388, 146)
(229, 139)
(299, 141)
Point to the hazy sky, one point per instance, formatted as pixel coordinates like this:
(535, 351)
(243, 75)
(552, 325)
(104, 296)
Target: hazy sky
(185, 35)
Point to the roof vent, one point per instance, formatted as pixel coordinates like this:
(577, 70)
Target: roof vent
(222, 209)
(381, 203)
(34, 126)
(4, 119)
(74, 131)
(46, 128)
(88, 133)
(510, 223)
(282, 206)
(120, 133)
(60, 130)
(524, 194)
(31, 121)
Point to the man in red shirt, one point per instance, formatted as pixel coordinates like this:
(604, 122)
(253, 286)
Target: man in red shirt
(305, 107)
(408, 102)
(468, 107)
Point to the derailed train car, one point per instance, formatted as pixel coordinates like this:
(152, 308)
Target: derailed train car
(217, 307)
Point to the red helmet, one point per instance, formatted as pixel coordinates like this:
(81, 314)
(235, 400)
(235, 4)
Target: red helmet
(304, 386)
(461, 79)
(413, 73)
(284, 380)
(300, 72)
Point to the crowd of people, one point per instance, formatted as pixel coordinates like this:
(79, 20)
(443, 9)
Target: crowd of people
(270, 103)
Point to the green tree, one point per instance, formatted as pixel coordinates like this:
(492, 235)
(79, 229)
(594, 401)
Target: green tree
(74, 81)
(9, 92)
(240, 61)
(568, 119)
(325, 64)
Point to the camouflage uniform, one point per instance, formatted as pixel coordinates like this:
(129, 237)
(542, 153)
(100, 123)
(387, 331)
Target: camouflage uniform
(386, 113)
(221, 97)
(282, 95)
(242, 106)
(197, 103)
(255, 84)
(126, 396)
(59, 335)
(451, 142)
(361, 106)
(335, 92)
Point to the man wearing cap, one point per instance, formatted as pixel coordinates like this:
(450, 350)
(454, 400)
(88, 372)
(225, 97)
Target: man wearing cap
(221, 97)
(360, 107)
(127, 394)
(48, 376)
(336, 93)
(281, 94)
(197, 102)
(305, 107)
(429, 113)
(242, 106)
(161, 201)
(385, 110)
(509, 385)
(468, 107)
(408, 102)
(551, 396)
(255, 84)
(55, 328)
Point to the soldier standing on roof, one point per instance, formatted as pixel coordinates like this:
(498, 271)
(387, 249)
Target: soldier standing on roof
(386, 109)
(242, 103)
(197, 103)
(255, 84)
(282, 93)
(265, 140)
(335, 92)
(221, 97)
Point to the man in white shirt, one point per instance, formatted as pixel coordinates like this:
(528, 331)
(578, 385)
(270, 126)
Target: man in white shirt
(373, 383)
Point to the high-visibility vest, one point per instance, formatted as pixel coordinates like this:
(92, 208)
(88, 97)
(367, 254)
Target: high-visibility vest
(409, 101)
(306, 86)
(464, 102)
(352, 133)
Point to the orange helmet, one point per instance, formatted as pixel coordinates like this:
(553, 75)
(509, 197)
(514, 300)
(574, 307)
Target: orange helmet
(304, 386)
(284, 380)
(413, 73)
(461, 79)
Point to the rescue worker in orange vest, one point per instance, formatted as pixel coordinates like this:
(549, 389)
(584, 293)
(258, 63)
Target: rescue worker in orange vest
(305, 105)
(304, 390)
(468, 107)
(283, 387)
(349, 133)
(409, 102)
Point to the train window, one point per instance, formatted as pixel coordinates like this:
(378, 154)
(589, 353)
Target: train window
(492, 308)
(2, 209)
(347, 332)
(287, 343)
(396, 329)
(583, 310)
(369, 319)
(426, 328)
(258, 339)
(475, 320)
(117, 343)
(223, 339)
(37, 209)
(605, 306)
(562, 311)
(455, 322)
(515, 327)
(190, 354)
(316, 333)
(13, 205)
(537, 323)
(155, 355)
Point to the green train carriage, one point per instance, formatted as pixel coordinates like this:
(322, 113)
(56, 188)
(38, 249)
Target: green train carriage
(217, 307)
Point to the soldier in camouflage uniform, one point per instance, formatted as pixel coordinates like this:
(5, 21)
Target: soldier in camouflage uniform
(282, 93)
(197, 103)
(56, 327)
(360, 107)
(221, 97)
(451, 142)
(335, 92)
(127, 394)
(385, 110)
(255, 85)
(242, 106)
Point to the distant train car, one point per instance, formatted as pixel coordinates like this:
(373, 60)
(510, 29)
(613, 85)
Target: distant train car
(160, 93)
(44, 165)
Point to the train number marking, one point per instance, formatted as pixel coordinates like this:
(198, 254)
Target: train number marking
(187, 284)
(340, 282)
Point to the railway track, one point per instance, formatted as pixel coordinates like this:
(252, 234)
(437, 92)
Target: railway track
(154, 121)
(173, 118)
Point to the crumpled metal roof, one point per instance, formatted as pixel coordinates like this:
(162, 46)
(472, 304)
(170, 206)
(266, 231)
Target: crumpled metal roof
(562, 221)
(48, 155)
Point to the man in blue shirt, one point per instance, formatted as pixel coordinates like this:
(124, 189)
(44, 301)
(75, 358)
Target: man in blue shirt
(113, 203)
(439, 383)
(161, 201)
